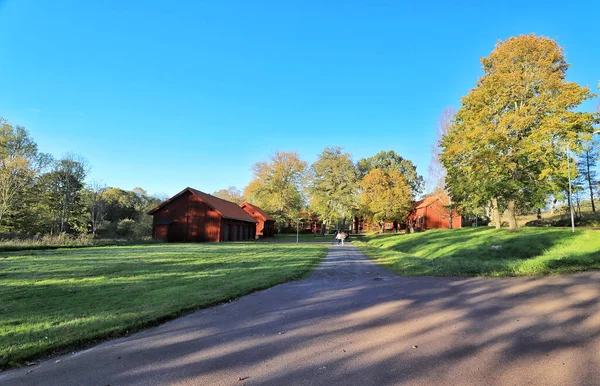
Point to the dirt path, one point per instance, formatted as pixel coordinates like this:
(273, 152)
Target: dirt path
(354, 323)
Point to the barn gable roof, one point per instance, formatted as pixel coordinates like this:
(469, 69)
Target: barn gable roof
(264, 215)
(226, 209)
(428, 201)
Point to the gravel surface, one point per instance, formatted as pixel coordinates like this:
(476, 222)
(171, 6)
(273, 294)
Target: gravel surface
(355, 323)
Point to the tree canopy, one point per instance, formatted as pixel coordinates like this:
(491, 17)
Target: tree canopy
(385, 196)
(19, 163)
(508, 141)
(278, 186)
(333, 185)
(388, 161)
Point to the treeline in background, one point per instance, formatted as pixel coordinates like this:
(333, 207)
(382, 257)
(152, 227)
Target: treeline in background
(45, 196)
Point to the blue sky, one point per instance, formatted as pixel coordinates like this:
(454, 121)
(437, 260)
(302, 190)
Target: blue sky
(165, 95)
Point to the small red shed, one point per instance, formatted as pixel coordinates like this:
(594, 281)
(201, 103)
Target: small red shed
(432, 213)
(266, 223)
(192, 215)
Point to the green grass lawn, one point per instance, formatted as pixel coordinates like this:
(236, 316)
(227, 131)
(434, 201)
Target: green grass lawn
(468, 252)
(61, 298)
(302, 237)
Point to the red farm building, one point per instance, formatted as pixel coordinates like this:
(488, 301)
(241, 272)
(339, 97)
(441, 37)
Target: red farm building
(432, 213)
(192, 215)
(266, 223)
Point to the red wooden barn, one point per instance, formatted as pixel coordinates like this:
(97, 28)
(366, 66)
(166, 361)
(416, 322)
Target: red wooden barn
(192, 215)
(432, 212)
(266, 224)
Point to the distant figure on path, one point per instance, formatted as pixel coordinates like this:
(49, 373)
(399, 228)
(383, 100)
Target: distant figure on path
(338, 237)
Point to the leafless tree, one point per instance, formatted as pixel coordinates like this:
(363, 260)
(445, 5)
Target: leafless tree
(436, 180)
(96, 205)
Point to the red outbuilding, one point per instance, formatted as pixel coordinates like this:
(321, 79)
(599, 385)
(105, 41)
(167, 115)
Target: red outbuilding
(266, 223)
(192, 215)
(432, 212)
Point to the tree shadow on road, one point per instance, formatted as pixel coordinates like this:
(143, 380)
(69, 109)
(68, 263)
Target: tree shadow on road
(364, 333)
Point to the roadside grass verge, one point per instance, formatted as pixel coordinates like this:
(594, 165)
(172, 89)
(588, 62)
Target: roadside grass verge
(62, 241)
(302, 237)
(469, 252)
(56, 299)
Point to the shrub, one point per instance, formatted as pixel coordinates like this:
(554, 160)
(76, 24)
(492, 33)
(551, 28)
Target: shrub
(126, 228)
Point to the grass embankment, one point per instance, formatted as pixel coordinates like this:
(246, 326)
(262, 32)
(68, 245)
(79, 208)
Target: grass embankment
(56, 299)
(469, 252)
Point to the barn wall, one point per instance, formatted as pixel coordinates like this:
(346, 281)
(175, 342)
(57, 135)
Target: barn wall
(192, 219)
(263, 228)
(160, 232)
(260, 227)
(435, 216)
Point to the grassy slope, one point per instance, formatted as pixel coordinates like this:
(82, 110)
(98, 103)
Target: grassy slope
(60, 298)
(468, 252)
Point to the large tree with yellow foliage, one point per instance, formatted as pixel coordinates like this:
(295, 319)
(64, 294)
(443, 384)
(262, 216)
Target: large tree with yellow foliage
(507, 144)
(385, 196)
(277, 186)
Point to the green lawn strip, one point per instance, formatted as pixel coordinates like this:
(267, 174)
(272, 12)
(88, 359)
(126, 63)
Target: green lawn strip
(32, 245)
(468, 252)
(62, 298)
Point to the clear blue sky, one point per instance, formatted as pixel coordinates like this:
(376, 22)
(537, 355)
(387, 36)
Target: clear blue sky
(165, 95)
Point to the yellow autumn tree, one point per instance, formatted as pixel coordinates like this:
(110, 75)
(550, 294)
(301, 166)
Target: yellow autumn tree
(277, 186)
(19, 163)
(385, 196)
(507, 144)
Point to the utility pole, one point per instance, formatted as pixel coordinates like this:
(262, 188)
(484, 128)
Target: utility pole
(570, 192)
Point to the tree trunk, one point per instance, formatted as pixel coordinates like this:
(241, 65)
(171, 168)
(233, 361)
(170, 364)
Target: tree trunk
(63, 214)
(488, 210)
(553, 207)
(450, 218)
(589, 179)
(539, 214)
(512, 219)
(496, 213)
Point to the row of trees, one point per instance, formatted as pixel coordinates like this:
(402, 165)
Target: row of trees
(335, 188)
(507, 144)
(43, 195)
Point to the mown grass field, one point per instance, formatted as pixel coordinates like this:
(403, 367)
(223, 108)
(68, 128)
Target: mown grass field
(469, 252)
(61, 298)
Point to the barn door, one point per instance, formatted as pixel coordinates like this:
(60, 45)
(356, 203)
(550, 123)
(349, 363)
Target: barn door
(227, 232)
